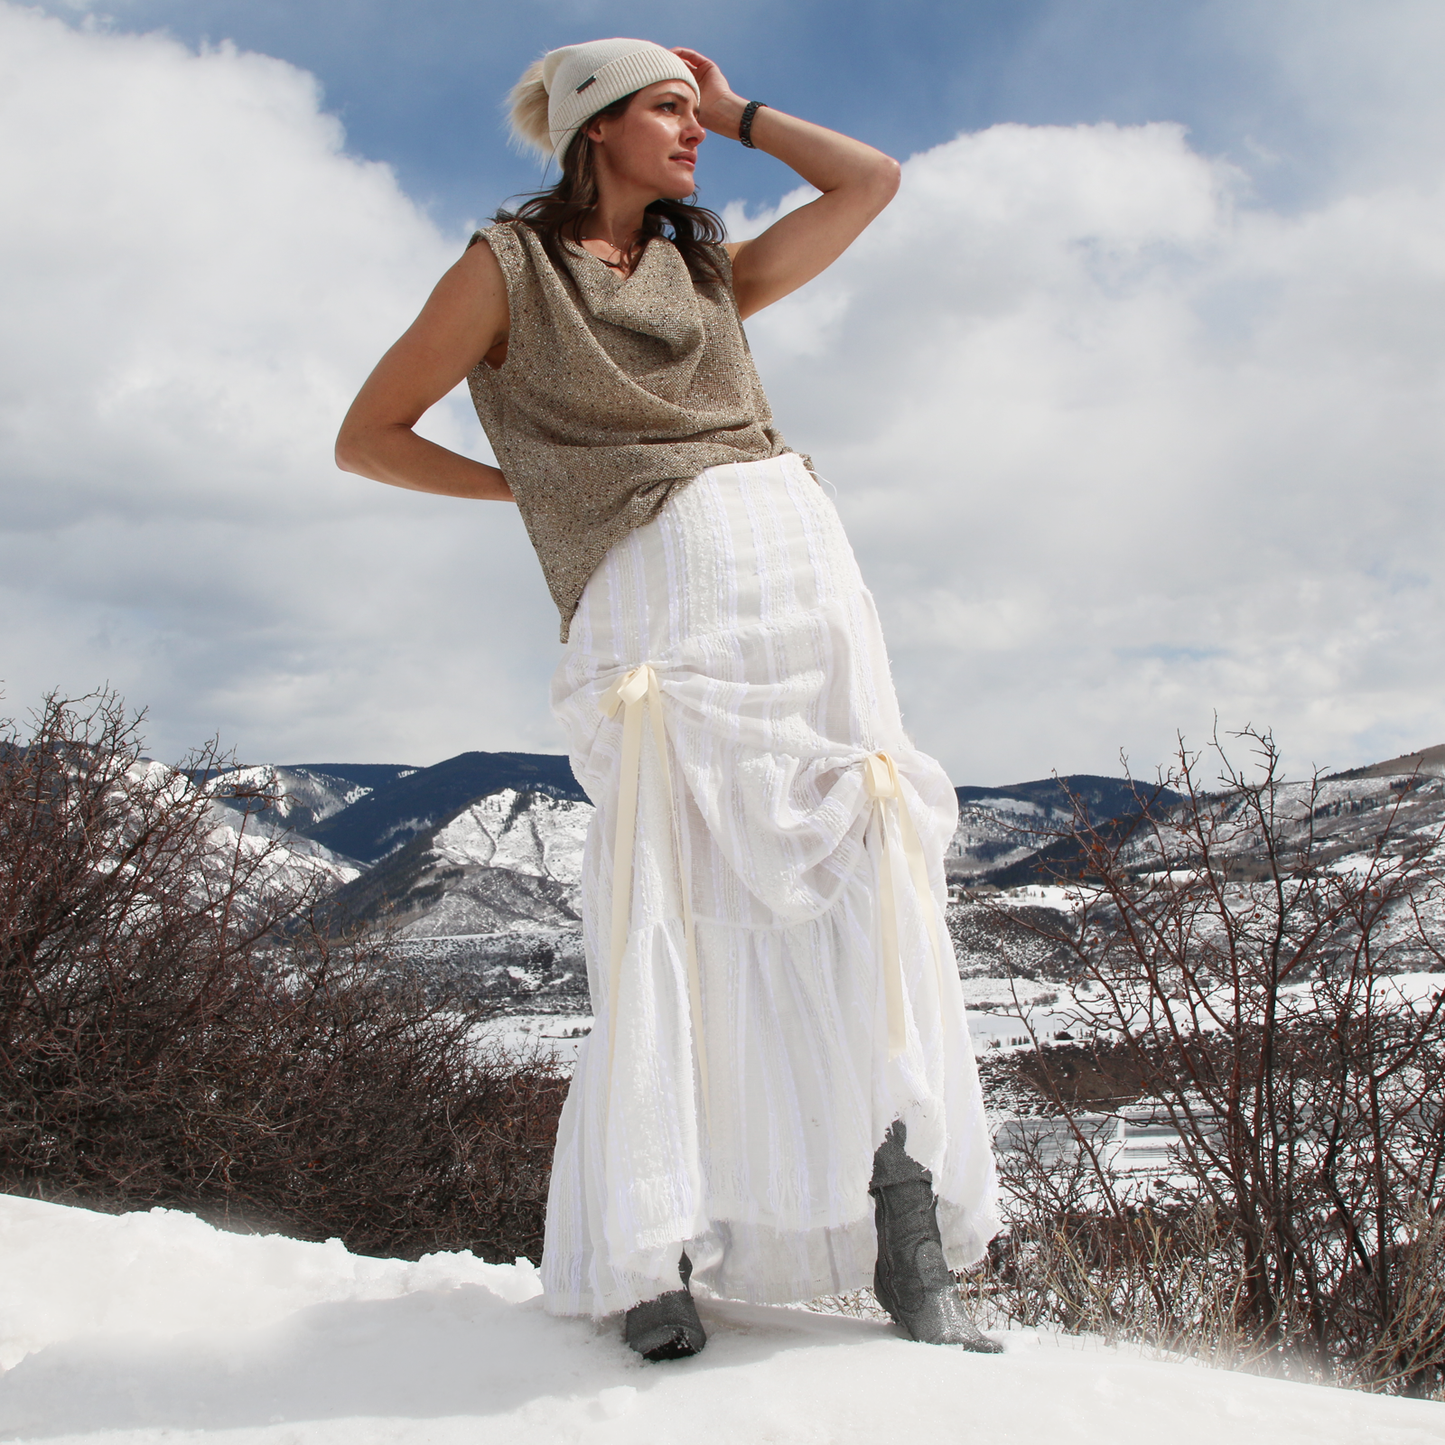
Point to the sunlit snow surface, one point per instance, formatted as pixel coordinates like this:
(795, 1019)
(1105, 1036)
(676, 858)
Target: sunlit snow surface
(154, 1327)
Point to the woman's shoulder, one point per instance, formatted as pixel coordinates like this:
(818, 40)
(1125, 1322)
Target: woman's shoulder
(515, 244)
(504, 234)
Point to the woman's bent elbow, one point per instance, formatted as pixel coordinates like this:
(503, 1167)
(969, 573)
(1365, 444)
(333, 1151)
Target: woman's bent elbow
(350, 455)
(890, 174)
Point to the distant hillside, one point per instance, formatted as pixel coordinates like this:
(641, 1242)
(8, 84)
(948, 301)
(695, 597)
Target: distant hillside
(307, 794)
(370, 776)
(1000, 829)
(489, 900)
(1342, 816)
(397, 811)
(1428, 763)
(1104, 797)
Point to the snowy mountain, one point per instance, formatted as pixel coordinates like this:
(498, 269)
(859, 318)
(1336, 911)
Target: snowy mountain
(1003, 896)
(417, 799)
(1428, 764)
(298, 861)
(489, 898)
(1344, 814)
(1000, 827)
(307, 794)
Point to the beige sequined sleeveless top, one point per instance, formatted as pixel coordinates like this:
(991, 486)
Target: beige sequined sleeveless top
(615, 391)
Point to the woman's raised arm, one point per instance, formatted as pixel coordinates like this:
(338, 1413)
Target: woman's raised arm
(856, 181)
(464, 320)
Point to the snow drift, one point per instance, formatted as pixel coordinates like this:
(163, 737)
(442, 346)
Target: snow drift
(142, 1327)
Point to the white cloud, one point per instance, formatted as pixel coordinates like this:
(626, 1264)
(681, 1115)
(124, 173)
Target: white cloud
(1118, 446)
(1118, 451)
(200, 278)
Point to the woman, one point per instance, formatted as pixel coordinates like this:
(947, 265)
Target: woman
(778, 1012)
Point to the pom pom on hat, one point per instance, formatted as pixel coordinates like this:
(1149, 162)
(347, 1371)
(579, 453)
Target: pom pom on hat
(557, 93)
(528, 104)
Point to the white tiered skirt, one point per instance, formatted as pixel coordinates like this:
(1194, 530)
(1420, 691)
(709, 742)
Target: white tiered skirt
(773, 684)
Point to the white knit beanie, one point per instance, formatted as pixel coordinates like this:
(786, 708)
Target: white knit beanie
(562, 89)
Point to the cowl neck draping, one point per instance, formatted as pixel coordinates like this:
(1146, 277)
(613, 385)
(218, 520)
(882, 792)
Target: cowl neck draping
(657, 300)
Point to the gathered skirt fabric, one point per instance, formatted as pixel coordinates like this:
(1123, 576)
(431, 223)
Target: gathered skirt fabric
(744, 597)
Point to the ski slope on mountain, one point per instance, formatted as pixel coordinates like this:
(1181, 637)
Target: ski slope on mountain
(155, 1327)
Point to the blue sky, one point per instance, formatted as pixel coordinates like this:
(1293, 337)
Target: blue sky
(1132, 400)
(418, 84)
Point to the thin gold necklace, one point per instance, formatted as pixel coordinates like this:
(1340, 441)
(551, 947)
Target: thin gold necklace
(621, 265)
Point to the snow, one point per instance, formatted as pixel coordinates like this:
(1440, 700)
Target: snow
(1009, 1013)
(293, 862)
(1044, 895)
(545, 837)
(303, 795)
(154, 1327)
(553, 1035)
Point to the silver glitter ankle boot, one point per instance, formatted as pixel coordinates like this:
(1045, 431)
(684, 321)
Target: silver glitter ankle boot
(911, 1279)
(667, 1328)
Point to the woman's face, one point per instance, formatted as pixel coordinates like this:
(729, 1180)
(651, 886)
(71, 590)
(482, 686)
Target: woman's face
(653, 144)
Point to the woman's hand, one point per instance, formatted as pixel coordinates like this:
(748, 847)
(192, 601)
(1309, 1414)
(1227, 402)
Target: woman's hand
(856, 182)
(719, 109)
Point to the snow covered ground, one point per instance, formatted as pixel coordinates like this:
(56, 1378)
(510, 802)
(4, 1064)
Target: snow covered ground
(556, 1035)
(154, 1327)
(997, 1008)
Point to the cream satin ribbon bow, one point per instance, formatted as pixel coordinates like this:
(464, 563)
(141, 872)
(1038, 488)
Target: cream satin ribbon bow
(631, 693)
(880, 779)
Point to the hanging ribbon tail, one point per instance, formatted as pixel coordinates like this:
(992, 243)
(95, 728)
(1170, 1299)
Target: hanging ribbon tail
(630, 694)
(883, 785)
(918, 867)
(626, 694)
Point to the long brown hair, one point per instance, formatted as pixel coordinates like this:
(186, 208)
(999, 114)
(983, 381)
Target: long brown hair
(559, 212)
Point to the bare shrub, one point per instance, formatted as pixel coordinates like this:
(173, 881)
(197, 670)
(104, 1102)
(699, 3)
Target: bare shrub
(174, 1029)
(1161, 1271)
(1247, 972)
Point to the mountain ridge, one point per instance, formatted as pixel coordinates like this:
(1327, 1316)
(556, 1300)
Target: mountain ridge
(475, 863)
(389, 816)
